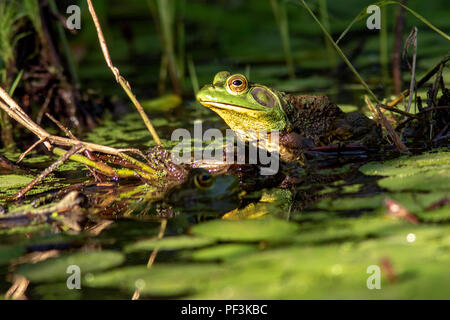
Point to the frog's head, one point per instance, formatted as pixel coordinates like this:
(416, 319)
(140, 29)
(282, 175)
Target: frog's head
(243, 105)
(203, 192)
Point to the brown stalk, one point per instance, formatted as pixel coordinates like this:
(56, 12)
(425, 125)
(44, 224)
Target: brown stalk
(394, 136)
(121, 80)
(421, 82)
(412, 40)
(46, 172)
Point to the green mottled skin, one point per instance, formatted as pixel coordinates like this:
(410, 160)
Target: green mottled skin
(303, 121)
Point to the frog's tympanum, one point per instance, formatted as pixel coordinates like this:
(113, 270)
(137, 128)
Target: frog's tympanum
(302, 121)
(205, 193)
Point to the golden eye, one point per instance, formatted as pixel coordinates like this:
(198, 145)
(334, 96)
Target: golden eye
(203, 180)
(237, 84)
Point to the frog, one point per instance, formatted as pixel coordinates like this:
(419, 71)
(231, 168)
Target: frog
(205, 193)
(302, 122)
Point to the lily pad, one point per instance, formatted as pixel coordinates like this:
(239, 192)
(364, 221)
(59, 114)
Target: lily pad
(224, 251)
(159, 280)
(420, 181)
(170, 243)
(438, 215)
(247, 230)
(350, 203)
(56, 268)
(407, 164)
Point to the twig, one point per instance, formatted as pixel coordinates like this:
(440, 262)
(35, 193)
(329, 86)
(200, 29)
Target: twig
(412, 39)
(394, 136)
(15, 112)
(121, 80)
(34, 145)
(46, 172)
(422, 81)
(61, 127)
(18, 288)
(411, 115)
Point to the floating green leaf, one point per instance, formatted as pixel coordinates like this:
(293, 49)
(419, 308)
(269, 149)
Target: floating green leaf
(224, 251)
(160, 280)
(170, 243)
(247, 230)
(56, 268)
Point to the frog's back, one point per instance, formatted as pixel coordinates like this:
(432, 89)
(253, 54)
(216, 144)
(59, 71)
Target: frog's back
(323, 122)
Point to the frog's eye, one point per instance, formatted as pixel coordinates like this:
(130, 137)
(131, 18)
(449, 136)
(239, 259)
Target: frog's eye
(203, 180)
(237, 84)
(263, 97)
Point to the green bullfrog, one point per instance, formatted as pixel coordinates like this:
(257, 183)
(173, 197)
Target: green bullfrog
(303, 122)
(205, 193)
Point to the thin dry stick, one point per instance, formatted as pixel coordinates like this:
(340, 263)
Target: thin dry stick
(394, 136)
(412, 39)
(422, 81)
(61, 127)
(46, 172)
(121, 80)
(34, 145)
(72, 136)
(15, 112)
(399, 111)
(18, 288)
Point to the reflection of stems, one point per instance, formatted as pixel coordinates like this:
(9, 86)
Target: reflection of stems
(162, 230)
(328, 36)
(125, 85)
(153, 255)
(281, 18)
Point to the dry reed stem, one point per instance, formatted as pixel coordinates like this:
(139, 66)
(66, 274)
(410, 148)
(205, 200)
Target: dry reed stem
(121, 80)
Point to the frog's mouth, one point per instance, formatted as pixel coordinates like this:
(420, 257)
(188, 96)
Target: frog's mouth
(225, 106)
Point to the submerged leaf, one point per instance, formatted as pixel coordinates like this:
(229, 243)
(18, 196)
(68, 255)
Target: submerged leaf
(247, 230)
(56, 268)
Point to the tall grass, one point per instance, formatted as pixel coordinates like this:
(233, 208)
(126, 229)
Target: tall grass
(364, 14)
(164, 13)
(281, 17)
(10, 14)
(193, 75)
(339, 51)
(324, 18)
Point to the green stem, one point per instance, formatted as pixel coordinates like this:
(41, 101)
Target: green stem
(328, 36)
